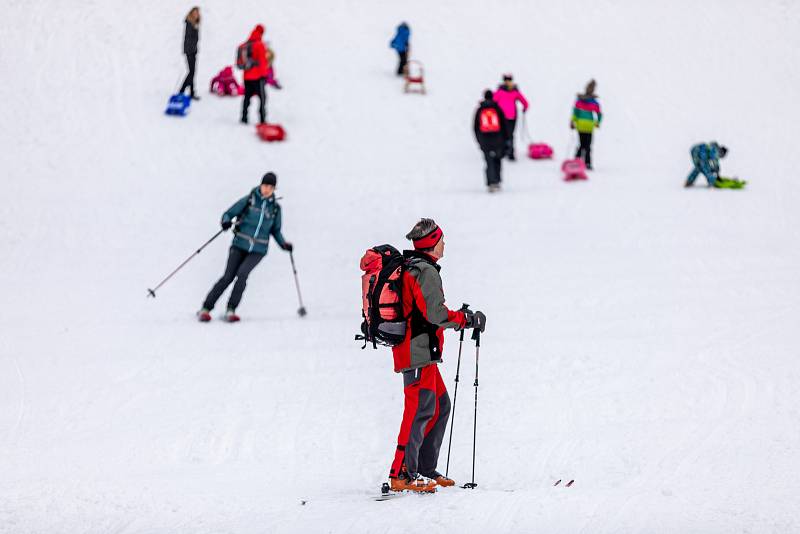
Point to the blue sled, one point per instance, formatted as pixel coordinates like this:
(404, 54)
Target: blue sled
(178, 105)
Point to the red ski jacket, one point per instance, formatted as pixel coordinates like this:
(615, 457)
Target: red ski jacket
(259, 54)
(426, 312)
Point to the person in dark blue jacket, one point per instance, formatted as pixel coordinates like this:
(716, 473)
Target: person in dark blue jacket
(402, 45)
(257, 216)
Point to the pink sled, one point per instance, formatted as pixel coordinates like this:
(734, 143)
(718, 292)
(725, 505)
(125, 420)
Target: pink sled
(540, 151)
(574, 169)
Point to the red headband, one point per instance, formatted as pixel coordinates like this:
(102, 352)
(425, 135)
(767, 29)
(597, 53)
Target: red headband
(430, 240)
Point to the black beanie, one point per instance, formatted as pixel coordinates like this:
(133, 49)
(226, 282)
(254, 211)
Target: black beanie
(488, 95)
(269, 179)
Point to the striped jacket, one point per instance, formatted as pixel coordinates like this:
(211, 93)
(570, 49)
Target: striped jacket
(257, 218)
(586, 114)
(427, 315)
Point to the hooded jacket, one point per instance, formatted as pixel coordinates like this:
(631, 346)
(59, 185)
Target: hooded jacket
(401, 38)
(258, 52)
(257, 219)
(586, 114)
(426, 312)
(507, 100)
(491, 141)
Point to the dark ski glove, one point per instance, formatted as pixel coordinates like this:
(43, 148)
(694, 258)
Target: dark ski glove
(475, 320)
(288, 247)
(226, 225)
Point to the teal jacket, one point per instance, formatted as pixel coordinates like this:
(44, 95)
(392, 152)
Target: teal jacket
(257, 218)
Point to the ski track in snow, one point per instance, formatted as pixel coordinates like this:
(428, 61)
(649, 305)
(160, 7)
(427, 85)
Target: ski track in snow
(641, 336)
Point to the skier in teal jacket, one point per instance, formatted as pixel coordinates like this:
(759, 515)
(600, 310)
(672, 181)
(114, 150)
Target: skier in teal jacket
(257, 216)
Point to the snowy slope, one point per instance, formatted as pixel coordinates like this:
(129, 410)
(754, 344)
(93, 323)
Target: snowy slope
(640, 335)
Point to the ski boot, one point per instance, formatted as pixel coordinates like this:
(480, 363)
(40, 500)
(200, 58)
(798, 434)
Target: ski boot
(203, 316)
(411, 482)
(231, 317)
(440, 479)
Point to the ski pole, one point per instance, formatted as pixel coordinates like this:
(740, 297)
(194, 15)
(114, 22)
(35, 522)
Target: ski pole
(476, 335)
(464, 306)
(152, 292)
(301, 311)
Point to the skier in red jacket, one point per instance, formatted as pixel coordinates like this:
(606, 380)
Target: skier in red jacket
(255, 76)
(427, 404)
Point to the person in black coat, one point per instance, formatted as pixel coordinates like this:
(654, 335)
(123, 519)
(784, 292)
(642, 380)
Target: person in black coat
(191, 35)
(492, 134)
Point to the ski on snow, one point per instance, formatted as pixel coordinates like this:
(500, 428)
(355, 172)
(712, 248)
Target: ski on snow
(387, 494)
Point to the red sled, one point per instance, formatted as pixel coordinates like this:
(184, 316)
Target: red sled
(540, 151)
(271, 132)
(574, 169)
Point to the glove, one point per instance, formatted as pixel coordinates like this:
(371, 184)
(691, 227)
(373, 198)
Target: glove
(288, 247)
(475, 320)
(226, 225)
(571, 125)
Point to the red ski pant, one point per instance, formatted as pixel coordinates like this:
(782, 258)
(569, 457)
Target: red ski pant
(427, 408)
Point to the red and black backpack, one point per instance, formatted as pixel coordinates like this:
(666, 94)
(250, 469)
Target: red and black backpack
(381, 292)
(489, 120)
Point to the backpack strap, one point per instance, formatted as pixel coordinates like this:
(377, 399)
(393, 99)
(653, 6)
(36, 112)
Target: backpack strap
(250, 202)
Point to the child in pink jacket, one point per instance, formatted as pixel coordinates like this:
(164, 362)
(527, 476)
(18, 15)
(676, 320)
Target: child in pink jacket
(506, 97)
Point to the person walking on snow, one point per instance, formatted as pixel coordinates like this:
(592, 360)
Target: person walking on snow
(191, 34)
(401, 44)
(255, 76)
(586, 116)
(258, 216)
(705, 157)
(427, 404)
(492, 135)
(507, 96)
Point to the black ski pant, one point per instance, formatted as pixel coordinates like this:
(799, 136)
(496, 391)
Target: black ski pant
(585, 148)
(494, 158)
(188, 82)
(511, 125)
(403, 59)
(240, 263)
(255, 88)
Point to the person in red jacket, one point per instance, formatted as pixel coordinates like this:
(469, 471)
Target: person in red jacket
(427, 404)
(255, 76)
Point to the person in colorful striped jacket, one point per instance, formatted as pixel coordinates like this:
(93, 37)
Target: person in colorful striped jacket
(586, 116)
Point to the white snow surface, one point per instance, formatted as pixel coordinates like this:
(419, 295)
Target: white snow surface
(639, 339)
